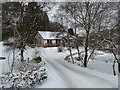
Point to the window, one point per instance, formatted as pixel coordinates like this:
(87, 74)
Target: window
(58, 41)
(49, 41)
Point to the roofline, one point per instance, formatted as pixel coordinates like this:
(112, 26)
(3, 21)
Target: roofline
(47, 31)
(51, 39)
(48, 38)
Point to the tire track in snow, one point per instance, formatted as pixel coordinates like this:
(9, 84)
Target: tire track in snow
(71, 81)
(64, 75)
(58, 70)
(53, 79)
(61, 73)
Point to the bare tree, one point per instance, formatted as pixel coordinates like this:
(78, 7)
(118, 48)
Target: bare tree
(25, 26)
(88, 15)
(112, 20)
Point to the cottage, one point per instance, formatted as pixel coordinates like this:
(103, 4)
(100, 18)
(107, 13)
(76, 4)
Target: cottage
(47, 39)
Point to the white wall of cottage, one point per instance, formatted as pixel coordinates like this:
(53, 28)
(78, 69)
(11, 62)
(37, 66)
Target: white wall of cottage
(54, 41)
(45, 41)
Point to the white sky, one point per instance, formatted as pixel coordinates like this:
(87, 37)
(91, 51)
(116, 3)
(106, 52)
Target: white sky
(52, 12)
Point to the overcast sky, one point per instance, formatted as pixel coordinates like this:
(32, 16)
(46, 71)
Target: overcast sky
(52, 12)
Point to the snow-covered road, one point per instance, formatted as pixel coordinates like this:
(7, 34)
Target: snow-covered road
(64, 75)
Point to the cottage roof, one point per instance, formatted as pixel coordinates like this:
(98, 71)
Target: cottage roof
(48, 34)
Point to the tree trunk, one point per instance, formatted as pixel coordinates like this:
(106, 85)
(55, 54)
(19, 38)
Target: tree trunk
(13, 61)
(119, 67)
(86, 51)
(91, 54)
(70, 46)
(86, 55)
(79, 54)
(71, 54)
(114, 68)
(22, 57)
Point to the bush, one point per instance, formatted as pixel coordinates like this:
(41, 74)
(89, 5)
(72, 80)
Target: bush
(79, 58)
(60, 49)
(37, 59)
(21, 79)
(26, 75)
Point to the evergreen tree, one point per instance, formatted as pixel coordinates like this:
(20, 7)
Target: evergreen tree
(10, 12)
(34, 18)
(24, 19)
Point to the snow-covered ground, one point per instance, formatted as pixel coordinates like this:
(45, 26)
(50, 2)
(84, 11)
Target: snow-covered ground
(24, 73)
(103, 63)
(62, 74)
(74, 76)
(1, 54)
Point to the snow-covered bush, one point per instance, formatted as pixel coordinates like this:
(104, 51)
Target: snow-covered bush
(67, 58)
(37, 59)
(78, 58)
(26, 75)
(60, 48)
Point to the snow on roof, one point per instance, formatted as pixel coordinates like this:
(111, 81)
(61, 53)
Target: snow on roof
(48, 34)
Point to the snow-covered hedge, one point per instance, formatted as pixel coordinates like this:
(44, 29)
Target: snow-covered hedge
(26, 75)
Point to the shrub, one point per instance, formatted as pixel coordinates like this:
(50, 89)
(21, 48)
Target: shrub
(79, 58)
(28, 79)
(60, 49)
(26, 75)
(37, 59)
